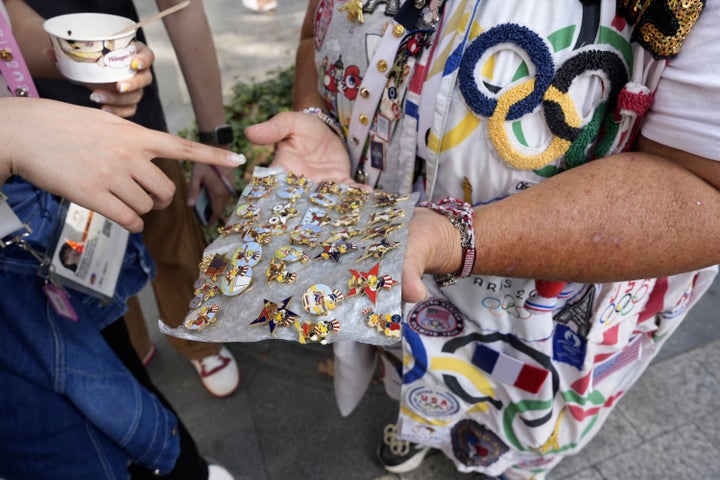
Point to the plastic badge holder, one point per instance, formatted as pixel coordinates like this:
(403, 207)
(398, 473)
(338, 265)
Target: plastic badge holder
(295, 286)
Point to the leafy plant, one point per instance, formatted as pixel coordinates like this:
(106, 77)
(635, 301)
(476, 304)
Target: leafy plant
(250, 103)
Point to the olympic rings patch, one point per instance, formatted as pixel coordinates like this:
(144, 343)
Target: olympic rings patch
(544, 91)
(436, 318)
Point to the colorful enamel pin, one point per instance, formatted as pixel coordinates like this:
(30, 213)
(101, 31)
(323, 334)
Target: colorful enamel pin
(235, 228)
(350, 206)
(257, 234)
(344, 234)
(381, 230)
(268, 181)
(386, 323)
(378, 250)
(316, 332)
(203, 291)
(322, 200)
(282, 212)
(386, 199)
(274, 227)
(248, 255)
(328, 188)
(316, 216)
(291, 192)
(356, 192)
(236, 280)
(305, 235)
(275, 315)
(335, 250)
(256, 191)
(320, 299)
(347, 220)
(248, 211)
(386, 215)
(354, 9)
(292, 179)
(215, 266)
(205, 317)
(289, 254)
(278, 272)
(369, 283)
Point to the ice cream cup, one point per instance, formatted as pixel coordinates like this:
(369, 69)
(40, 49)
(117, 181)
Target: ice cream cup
(87, 49)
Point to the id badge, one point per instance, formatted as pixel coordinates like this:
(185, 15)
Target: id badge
(89, 252)
(377, 155)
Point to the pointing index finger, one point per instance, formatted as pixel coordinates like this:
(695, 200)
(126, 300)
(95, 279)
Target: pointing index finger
(172, 146)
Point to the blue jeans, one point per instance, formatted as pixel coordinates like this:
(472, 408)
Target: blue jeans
(69, 408)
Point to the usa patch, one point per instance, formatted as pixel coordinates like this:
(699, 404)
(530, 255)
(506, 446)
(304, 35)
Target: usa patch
(436, 318)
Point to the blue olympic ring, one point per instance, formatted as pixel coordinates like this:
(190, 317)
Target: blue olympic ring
(540, 55)
(419, 353)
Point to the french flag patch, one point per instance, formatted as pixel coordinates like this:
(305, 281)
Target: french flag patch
(509, 370)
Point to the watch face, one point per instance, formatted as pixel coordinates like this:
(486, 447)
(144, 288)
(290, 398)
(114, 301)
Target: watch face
(224, 135)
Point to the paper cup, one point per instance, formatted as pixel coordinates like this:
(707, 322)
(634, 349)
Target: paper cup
(86, 49)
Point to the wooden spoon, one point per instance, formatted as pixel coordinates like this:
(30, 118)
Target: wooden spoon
(157, 16)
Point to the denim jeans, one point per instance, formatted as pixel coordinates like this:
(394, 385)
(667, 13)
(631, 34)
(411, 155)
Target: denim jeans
(69, 408)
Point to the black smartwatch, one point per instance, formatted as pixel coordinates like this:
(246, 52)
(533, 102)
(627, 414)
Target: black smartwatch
(220, 135)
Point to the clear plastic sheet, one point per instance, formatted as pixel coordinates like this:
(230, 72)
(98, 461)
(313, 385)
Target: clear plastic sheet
(304, 262)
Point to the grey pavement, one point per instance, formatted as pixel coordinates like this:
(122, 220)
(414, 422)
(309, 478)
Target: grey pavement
(283, 423)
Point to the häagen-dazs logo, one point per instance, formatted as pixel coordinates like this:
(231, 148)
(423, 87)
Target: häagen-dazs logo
(432, 403)
(436, 318)
(120, 58)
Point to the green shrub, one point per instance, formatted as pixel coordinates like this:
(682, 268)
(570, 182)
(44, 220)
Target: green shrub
(251, 103)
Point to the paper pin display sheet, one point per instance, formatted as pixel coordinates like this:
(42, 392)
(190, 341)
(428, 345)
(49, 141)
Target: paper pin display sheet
(305, 262)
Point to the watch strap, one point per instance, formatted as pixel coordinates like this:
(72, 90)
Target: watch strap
(220, 135)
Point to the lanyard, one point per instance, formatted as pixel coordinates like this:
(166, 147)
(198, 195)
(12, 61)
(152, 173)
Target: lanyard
(14, 72)
(410, 19)
(19, 82)
(12, 65)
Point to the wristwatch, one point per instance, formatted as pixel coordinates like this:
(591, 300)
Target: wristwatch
(220, 135)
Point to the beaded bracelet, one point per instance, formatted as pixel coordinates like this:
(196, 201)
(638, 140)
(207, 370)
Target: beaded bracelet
(460, 215)
(328, 120)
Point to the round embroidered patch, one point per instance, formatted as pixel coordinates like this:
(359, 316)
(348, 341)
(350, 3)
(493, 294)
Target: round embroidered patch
(476, 446)
(436, 318)
(432, 403)
(323, 14)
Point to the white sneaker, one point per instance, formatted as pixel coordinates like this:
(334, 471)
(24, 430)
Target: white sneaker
(216, 472)
(218, 373)
(260, 6)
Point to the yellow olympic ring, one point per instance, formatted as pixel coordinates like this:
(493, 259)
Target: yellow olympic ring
(498, 134)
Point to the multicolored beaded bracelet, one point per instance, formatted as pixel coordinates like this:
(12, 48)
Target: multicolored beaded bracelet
(328, 120)
(461, 216)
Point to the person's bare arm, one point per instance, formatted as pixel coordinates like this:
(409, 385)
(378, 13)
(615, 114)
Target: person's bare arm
(305, 92)
(644, 214)
(94, 158)
(192, 40)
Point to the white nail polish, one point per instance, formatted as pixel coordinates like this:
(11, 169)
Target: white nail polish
(237, 158)
(98, 97)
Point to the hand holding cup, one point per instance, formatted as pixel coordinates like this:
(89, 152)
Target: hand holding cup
(114, 66)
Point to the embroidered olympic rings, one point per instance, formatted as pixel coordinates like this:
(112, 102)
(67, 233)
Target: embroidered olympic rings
(548, 88)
